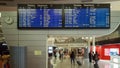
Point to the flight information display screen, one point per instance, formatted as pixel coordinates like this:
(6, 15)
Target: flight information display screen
(40, 16)
(63, 16)
(87, 16)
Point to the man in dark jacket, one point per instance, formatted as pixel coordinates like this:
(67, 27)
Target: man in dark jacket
(72, 57)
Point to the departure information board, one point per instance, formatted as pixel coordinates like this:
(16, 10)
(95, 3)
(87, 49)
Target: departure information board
(87, 15)
(52, 16)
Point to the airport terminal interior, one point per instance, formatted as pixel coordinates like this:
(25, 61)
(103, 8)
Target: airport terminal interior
(59, 33)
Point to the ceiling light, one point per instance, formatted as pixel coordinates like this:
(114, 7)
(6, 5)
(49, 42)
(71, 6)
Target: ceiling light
(83, 38)
(86, 37)
(90, 38)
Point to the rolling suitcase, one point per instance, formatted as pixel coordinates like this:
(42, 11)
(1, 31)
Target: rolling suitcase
(79, 63)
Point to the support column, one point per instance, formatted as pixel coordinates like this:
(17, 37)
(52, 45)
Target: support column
(87, 49)
(93, 44)
(88, 45)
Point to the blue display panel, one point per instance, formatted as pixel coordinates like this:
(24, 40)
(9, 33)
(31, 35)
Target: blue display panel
(39, 16)
(87, 16)
(64, 16)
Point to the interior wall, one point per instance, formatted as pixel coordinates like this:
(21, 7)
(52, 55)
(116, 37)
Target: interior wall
(36, 39)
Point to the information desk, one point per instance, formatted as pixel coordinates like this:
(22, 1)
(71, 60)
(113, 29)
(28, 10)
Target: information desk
(115, 59)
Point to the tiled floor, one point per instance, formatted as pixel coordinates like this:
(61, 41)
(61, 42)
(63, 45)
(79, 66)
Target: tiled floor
(101, 64)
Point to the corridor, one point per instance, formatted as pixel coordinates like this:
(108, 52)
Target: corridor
(101, 64)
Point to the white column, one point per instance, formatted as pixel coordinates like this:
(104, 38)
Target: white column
(88, 45)
(93, 44)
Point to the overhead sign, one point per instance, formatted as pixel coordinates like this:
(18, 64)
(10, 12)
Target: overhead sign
(69, 16)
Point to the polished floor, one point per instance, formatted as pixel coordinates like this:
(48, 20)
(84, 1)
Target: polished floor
(101, 64)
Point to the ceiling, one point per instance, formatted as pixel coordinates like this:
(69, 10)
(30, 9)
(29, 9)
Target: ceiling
(15, 2)
(67, 41)
(60, 39)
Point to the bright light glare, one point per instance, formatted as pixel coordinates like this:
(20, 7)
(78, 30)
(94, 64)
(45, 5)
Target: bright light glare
(0, 14)
(115, 60)
(83, 38)
(107, 66)
(86, 37)
(90, 37)
(115, 66)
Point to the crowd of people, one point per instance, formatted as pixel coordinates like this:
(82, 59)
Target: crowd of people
(75, 56)
(57, 56)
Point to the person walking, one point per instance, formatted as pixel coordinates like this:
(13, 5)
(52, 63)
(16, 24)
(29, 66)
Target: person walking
(61, 55)
(72, 57)
(91, 54)
(96, 57)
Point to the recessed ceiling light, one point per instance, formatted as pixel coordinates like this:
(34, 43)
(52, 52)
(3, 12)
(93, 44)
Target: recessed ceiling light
(83, 38)
(86, 37)
(90, 37)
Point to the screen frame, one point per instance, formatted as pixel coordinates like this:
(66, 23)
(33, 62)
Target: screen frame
(63, 18)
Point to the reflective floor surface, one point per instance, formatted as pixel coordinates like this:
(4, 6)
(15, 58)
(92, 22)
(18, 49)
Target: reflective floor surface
(101, 64)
